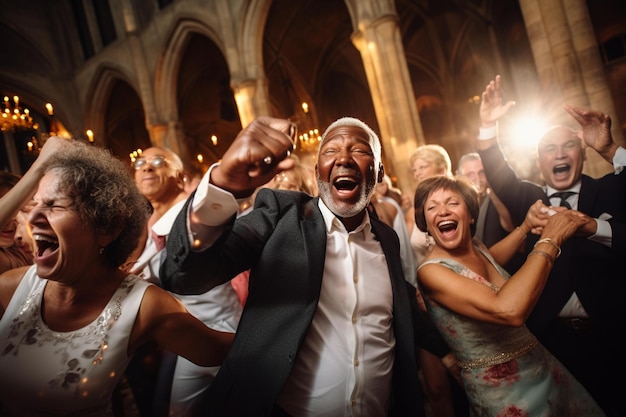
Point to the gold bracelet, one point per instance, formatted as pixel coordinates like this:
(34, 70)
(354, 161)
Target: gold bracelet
(551, 242)
(544, 254)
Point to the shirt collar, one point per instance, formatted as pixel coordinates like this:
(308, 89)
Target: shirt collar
(163, 226)
(575, 189)
(332, 222)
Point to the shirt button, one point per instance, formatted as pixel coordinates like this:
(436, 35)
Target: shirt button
(355, 279)
(353, 403)
(353, 319)
(356, 362)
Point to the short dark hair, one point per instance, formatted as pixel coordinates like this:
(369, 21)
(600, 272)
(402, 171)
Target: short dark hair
(458, 184)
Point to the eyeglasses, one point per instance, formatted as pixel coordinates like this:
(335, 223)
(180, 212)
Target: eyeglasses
(156, 162)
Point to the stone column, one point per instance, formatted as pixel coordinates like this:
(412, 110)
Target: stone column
(144, 78)
(252, 99)
(160, 134)
(380, 44)
(568, 64)
(590, 60)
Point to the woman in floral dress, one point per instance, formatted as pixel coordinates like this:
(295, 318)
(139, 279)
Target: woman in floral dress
(480, 310)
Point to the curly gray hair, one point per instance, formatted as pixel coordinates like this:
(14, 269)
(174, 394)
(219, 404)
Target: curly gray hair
(105, 195)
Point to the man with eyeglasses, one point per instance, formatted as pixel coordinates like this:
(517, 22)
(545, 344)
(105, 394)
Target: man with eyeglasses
(160, 178)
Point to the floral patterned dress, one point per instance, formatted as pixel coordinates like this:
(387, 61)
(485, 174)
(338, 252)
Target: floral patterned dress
(506, 372)
(48, 373)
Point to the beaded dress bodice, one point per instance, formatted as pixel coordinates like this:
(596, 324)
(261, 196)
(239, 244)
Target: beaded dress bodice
(44, 372)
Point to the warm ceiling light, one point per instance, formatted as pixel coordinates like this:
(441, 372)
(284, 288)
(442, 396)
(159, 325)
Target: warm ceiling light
(14, 117)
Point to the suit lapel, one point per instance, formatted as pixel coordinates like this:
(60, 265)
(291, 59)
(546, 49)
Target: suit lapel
(587, 196)
(314, 232)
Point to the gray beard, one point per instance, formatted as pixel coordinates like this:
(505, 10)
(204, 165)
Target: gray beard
(344, 210)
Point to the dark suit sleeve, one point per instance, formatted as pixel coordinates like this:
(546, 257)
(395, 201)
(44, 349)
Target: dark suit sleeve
(516, 194)
(613, 196)
(184, 270)
(426, 334)
(239, 247)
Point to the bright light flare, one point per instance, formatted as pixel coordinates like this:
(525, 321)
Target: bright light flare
(519, 137)
(527, 131)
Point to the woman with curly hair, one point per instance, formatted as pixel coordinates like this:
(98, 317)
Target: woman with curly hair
(72, 321)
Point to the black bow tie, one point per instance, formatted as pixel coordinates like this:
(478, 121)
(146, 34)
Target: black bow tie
(564, 195)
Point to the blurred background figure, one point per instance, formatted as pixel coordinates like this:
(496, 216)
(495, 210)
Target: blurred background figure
(160, 176)
(388, 191)
(426, 161)
(15, 243)
(445, 396)
(23, 236)
(299, 178)
(386, 195)
(494, 220)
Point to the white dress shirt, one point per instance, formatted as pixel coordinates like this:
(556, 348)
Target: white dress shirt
(344, 365)
(148, 264)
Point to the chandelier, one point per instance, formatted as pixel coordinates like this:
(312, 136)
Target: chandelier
(308, 141)
(14, 117)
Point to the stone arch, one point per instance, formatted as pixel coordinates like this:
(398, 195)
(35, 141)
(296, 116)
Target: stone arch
(169, 65)
(111, 131)
(98, 97)
(251, 41)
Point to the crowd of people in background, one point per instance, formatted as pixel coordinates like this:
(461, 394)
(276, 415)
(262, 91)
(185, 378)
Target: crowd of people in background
(267, 287)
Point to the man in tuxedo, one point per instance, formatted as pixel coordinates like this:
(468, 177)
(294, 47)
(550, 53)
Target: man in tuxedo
(580, 315)
(328, 326)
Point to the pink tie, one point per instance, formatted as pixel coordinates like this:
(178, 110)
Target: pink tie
(159, 241)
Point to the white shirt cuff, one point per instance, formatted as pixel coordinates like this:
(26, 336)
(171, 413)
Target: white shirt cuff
(619, 160)
(211, 205)
(604, 233)
(488, 132)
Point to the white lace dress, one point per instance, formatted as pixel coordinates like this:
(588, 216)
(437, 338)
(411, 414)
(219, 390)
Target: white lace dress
(43, 372)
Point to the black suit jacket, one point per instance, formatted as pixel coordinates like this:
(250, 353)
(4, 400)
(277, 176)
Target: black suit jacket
(491, 231)
(283, 242)
(594, 271)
